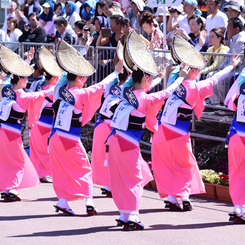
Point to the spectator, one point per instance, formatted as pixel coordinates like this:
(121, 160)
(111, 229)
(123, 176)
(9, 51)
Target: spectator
(21, 19)
(79, 6)
(197, 37)
(71, 15)
(234, 9)
(65, 31)
(47, 17)
(116, 27)
(11, 13)
(98, 10)
(33, 33)
(216, 18)
(82, 36)
(190, 8)
(15, 33)
(109, 9)
(32, 7)
(126, 28)
(202, 6)
(60, 9)
(3, 36)
(88, 9)
(137, 7)
(237, 35)
(216, 41)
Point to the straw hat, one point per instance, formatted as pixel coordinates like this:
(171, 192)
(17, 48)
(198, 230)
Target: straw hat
(183, 52)
(47, 61)
(137, 54)
(12, 63)
(120, 56)
(72, 61)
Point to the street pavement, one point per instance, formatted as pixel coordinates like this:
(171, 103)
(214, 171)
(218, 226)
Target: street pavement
(34, 221)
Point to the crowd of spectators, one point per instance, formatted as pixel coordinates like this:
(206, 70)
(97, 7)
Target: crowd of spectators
(213, 26)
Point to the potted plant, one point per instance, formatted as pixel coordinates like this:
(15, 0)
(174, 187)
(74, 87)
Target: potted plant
(222, 188)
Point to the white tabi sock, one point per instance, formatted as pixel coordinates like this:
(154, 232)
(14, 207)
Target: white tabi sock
(89, 202)
(172, 199)
(123, 217)
(62, 203)
(238, 210)
(108, 188)
(133, 217)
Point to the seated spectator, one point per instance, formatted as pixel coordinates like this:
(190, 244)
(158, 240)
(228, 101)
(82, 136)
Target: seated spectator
(21, 19)
(15, 33)
(32, 7)
(88, 9)
(216, 18)
(234, 9)
(3, 36)
(159, 17)
(33, 32)
(60, 9)
(197, 37)
(237, 35)
(216, 41)
(47, 17)
(65, 32)
(71, 15)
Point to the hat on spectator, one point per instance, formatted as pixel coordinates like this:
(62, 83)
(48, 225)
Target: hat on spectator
(159, 11)
(183, 52)
(47, 61)
(233, 5)
(72, 61)
(137, 55)
(139, 3)
(178, 8)
(193, 3)
(147, 9)
(46, 5)
(11, 63)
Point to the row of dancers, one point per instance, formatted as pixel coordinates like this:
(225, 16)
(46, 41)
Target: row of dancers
(59, 106)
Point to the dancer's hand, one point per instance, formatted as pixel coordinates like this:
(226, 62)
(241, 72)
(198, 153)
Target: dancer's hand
(185, 68)
(162, 72)
(119, 66)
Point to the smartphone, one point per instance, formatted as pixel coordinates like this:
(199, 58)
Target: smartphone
(106, 32)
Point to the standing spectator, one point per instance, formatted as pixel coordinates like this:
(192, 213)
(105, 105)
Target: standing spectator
(65, 31)
(234, 9)
(21, 19)
(202, 6)
(33, 7)
(116, 27)
(71, 15)
(190, 8)
(60, 9)
(33, 33)
(47, 17)
(11, 13)
(15, 33)
(237, 35)
(137, 7)
(216, 19)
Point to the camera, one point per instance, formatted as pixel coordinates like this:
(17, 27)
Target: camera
(79, 34)
(87, 28)
(28, 25)
(51, 38)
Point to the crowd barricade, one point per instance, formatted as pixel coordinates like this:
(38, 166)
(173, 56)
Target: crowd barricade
(102, 59)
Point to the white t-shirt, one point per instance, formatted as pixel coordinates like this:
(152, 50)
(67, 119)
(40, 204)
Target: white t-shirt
(14, 37)
(71, 19)
(5, 22)
(219, 20)
(183, 24)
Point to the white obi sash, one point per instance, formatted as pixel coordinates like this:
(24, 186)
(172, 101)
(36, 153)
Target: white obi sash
(109, 101)
(241, 108)
(5, 108)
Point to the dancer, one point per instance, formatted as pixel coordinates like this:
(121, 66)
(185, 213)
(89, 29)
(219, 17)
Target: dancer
(174, 165)
(235, 141)
(16, 169)
(40, 131)
(136, 111)
(74, 107)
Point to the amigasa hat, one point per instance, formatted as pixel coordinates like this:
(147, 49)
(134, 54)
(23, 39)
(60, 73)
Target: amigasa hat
(183, 52)
(72, 61)
(137, 55)
(120, 56)
(47, 61)
(12, 63)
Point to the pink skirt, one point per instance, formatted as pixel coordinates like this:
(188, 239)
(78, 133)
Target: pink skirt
(174, 165)
(236, 155)
(100, 172)
(71, 170)
(125, 171)
(16, 169)
(39, 149)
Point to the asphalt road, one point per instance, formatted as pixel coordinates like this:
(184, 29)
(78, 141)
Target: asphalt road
(34, 221)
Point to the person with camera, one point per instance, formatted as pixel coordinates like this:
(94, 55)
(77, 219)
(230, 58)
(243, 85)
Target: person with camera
(33, 32)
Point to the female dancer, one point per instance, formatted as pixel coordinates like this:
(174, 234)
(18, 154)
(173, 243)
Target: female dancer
(135, 112)
(175, 168)
(74, 107)
(16, 169)
(40, 131)
(236, 140)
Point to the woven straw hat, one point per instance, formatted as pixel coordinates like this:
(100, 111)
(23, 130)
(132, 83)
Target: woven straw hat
(47, 61)
(183, 52)
(72, 61)
(12, 63)
(120, 56)
(136, 53)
